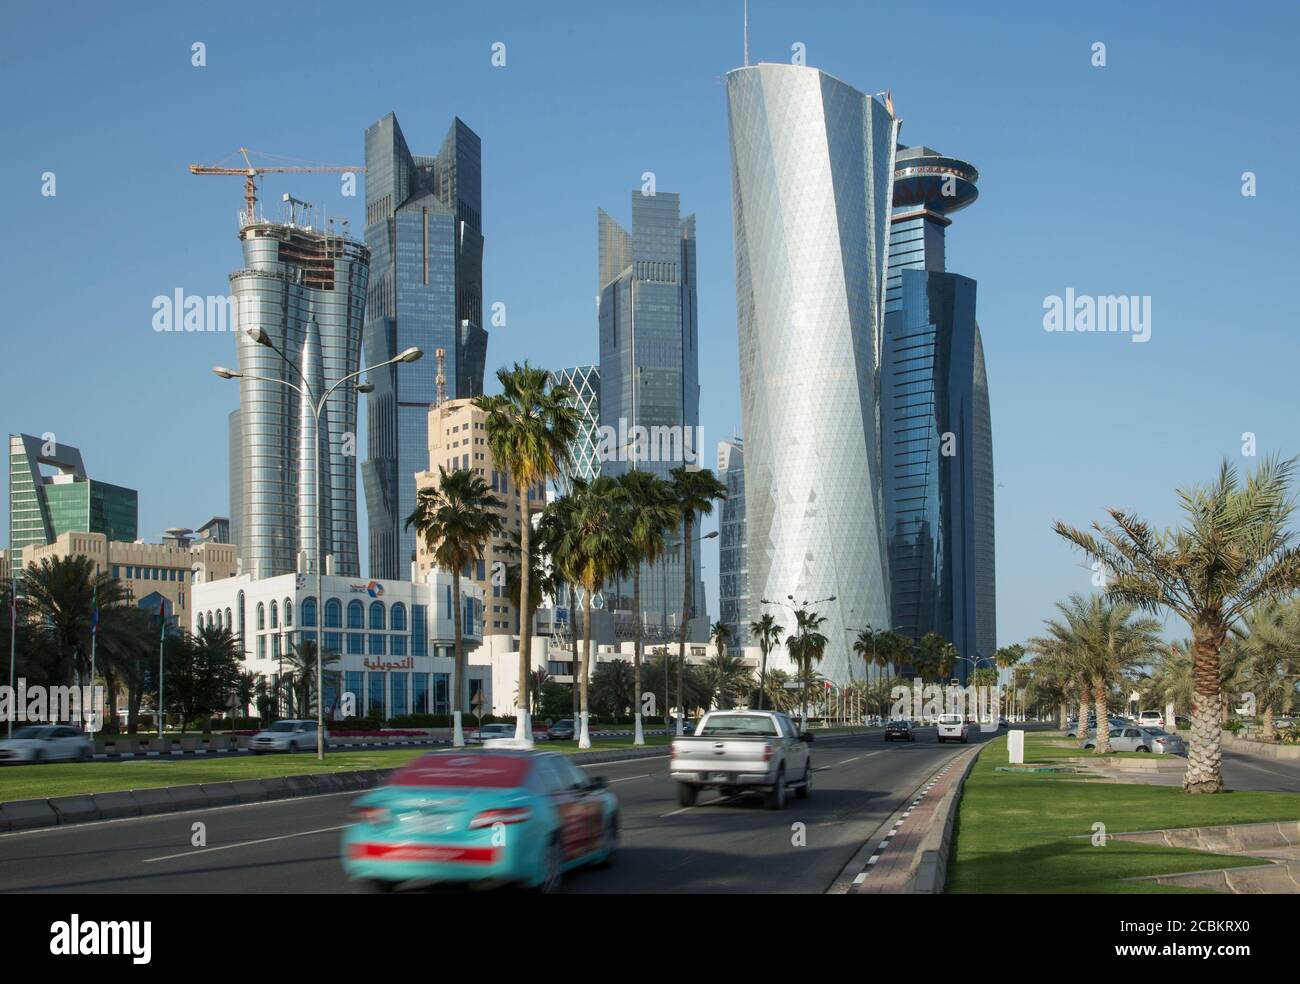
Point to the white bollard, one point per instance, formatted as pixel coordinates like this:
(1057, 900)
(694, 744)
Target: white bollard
(640, 734)
(457, 733)
(584, 736)
(1016, 747)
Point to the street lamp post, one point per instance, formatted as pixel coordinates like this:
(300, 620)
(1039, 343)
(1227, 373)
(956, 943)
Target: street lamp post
(317, 406)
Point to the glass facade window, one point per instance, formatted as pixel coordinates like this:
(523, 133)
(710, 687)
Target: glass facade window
(399, 694)
(275, 615)
(356, 615)
(356, 644)
(397, 617)
(261, 647)
(397, 645)
(377, 615)
(419, 693)
(333, 614)
(375, 703)
(441, 693)
(288, 613)
(308, 611)
(419, 630)
(333, 642)
(261, 616)
(354, 685)
(377, 640)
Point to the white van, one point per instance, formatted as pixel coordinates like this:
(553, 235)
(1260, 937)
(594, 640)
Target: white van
(953, 727)
(1151, 719)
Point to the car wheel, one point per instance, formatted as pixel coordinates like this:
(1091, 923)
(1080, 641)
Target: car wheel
(805, 790)
(1143, 748)
(609, 843)
(37, 756)
(965, 739)
(554, 873)
(775, 797)
(687, 794)
(86, 755)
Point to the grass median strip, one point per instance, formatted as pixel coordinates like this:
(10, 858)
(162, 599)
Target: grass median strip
(1033, 831)
(79, 778)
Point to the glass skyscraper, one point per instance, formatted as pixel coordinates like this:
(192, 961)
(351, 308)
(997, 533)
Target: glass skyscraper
(583, 382)
(935, 415)
(424, 230)
(733, 563)
(306, 289)
(44, 506)
(812, 167)
(649, 373)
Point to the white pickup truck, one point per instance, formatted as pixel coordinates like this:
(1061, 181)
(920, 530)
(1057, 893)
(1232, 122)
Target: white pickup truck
(738, 750)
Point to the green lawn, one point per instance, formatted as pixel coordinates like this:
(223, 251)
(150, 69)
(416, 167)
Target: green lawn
(72, 778)
(1020, 832)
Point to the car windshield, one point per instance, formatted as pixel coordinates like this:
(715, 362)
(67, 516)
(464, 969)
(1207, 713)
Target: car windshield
(950, 719)
(28, 732)
(741, 725)
(284, 726)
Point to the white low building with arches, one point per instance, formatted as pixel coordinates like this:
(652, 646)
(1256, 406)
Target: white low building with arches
(394, 638)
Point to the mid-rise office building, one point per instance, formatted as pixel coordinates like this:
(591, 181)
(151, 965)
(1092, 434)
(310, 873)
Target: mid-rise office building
(305, 288)
(394, 638)
(50, 494)
(935, 416)
(649, 375)
(155, 575)
(733, 565)
(424, 229)
(812, 167)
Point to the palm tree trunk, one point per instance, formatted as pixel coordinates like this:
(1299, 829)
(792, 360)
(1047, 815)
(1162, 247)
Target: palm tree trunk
(686, 617)
(762, 673)
(1267, 732)
(584, 738)
(1103, 716)
(639, 739)
(524, 725)
(1081, 732)
(1205, 754)
(459, 685)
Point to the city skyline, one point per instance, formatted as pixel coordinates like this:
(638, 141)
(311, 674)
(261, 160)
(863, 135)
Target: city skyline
(1060, 381)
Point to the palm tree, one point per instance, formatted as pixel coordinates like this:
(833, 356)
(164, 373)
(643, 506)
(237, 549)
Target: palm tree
(933, 657)
(590, 549)
(651, 512)
(1006, 658)
(457, 517)
(301, 658)
(727, 678)
(1269, 643)
(768, 633)
(60, 594)
(778, 696)
(245, 692)
(1101, 640)
(1233, 551)
(880, 647)
(612, 689)
(695, 491)
(530, 428)
(806, 646)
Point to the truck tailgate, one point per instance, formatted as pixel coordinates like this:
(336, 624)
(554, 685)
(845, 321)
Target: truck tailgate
(722, 754)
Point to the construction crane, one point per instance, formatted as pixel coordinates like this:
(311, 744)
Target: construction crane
(251, 171)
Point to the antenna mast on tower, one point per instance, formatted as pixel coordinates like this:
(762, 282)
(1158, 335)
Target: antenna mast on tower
(746, 33)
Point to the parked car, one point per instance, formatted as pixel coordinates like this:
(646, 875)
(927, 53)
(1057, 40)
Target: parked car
(1137, 739)
(47, 743)
(953, 727)
(287, 736)
(899, 731)
(504, 730)
(441, 819)
(1151, 719)
(743, 750)
(562, 730)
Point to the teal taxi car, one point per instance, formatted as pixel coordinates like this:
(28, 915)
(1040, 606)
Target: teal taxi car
(481, 817)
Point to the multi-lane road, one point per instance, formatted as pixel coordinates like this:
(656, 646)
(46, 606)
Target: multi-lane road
(717, 846)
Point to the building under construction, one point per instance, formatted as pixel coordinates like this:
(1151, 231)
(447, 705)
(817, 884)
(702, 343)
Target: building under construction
(306, 288)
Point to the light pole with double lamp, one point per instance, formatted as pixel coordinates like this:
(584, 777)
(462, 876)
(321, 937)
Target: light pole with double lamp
(317, 406)
(803, 609)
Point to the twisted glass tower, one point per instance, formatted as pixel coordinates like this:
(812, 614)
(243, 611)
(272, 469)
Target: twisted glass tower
(812, 165)
(424, 229)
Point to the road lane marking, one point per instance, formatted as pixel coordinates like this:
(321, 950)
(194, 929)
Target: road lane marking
(724, 799)
(227, 847)
(629, 778)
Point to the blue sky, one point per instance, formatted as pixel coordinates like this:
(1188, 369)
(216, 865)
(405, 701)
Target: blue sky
(1117, 180)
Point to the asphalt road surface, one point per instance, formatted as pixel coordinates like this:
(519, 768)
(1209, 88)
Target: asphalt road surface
(292, 846)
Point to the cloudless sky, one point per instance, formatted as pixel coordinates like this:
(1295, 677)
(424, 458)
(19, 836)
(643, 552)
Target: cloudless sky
(1124, 179)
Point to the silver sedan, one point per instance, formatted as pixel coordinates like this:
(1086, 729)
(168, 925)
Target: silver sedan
(1142, 739)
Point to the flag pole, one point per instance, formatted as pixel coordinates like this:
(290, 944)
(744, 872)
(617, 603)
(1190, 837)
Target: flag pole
(162, 637)
(13, 636)
(94, 634)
